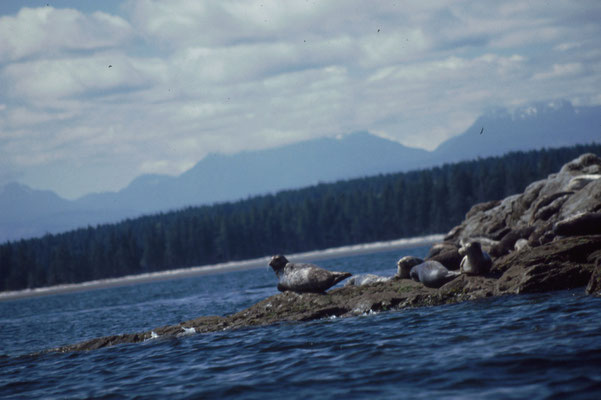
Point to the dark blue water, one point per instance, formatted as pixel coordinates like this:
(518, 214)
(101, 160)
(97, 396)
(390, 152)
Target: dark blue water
(544, 346)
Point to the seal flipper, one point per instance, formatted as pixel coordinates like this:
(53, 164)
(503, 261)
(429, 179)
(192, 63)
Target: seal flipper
(340, 276)
(414, 274)
(450, 276)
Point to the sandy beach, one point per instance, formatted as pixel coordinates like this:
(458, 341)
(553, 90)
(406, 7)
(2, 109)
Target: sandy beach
(261, 262)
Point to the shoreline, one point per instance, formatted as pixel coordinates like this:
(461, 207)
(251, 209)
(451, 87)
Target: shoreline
(343, 251)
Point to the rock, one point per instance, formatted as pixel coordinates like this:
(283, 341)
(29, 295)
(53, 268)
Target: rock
(447, 254)
(594, 284)
(574, 189)
(561, 264)
(543, 277)
(544, 239)
(481, 207)
(588, 163)
(521, 244)
(438, 248)
(508, 242)
(586, 200)
(580, 181)
(579, 224)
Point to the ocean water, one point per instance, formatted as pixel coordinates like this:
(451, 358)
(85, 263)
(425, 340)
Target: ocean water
(545, 346)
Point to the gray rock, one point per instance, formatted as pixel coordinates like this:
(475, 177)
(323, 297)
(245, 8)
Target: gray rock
(521, 244)
(447, 254)
(584, 223)
(580, 181)
(574, 189)
(594, 284)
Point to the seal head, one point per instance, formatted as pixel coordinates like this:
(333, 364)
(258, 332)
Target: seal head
(304, 278)
(404, 266)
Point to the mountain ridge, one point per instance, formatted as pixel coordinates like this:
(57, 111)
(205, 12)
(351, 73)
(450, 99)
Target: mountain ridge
(26, 212)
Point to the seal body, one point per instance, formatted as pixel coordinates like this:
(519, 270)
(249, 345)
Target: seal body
(304, 278)
(432, 274)
(476, 261)
(366, 279)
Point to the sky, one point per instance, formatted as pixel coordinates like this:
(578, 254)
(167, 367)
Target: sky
(95, 93)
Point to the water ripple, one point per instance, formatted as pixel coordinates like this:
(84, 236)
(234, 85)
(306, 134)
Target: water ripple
(544, 346)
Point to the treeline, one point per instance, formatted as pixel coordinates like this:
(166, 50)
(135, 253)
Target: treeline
(348, 212)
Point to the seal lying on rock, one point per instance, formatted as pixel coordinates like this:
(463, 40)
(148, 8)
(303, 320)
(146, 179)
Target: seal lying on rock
(366, 279)
(432, 274)
(476, 261)
(304, 278)
(404, 266)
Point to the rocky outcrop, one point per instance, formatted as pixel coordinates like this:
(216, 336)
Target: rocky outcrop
(542, 212)
(547, 238)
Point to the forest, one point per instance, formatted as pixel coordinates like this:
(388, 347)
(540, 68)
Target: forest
(377, 208)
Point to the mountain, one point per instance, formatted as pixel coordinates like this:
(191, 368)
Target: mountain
(554, 124)
(25, 212)
(215, 178)
(227, 177)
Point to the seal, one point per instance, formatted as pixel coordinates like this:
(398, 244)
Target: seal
(404, 266)
(476, 261)
(366, 279)
(432, 274)
(304, 278)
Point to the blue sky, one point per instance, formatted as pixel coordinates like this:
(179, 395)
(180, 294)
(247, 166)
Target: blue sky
(95, 93)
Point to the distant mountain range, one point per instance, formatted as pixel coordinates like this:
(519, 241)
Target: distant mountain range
(25, 212)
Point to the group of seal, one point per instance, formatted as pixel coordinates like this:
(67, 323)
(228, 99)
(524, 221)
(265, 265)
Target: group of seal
(433, 274)
(309, 278)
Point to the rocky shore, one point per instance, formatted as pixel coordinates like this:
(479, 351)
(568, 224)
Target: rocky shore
(545, 239)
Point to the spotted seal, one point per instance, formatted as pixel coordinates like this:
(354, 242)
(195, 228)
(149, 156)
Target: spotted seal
(405, 264)
(432, 274)
(304, 278)
(476, 261)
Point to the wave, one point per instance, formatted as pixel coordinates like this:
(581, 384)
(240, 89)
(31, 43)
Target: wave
(342, 251)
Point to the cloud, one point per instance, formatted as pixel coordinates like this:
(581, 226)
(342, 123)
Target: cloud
(559, 71)
(192, 78)
(96, 75)
(47, 31)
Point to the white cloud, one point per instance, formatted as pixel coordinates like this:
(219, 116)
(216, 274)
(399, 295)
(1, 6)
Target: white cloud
(560, 70)
(47, 31)
(95, 75)
(18, 117)
(189, 78)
